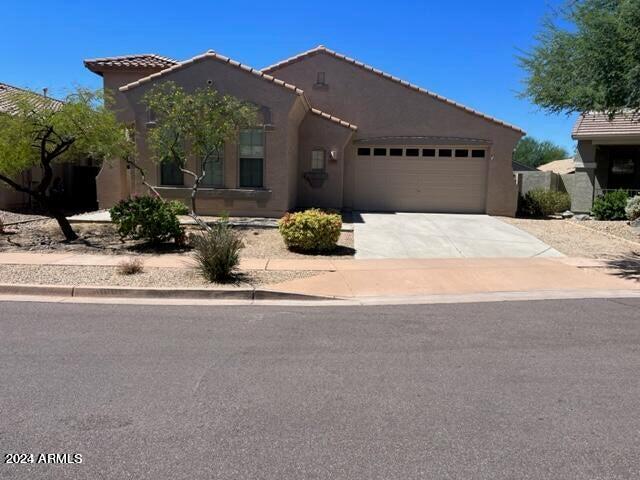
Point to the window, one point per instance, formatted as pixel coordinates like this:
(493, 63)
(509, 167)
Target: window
(444, 152)
(477, 153)
(395, 152)
(170, 174)
(318, 160)
(623, 166)
(428, 152)
(412, 152)
(380, 152)
(214, 172)
(364, 152)
(462, 153)
(251, 158)
(320, 79)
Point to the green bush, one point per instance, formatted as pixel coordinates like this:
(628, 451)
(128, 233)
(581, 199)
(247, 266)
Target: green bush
(311, 231)
(611, 206)
(633, 208)
(540, 203)
(217, 252)
(149, 218)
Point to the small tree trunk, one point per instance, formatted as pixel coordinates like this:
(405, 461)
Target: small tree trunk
(65, 226)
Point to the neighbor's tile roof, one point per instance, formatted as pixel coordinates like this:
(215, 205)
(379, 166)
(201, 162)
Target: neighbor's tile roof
(592, 124)
(141, 61)
(9, 94)
(561, 167)
(323, 49)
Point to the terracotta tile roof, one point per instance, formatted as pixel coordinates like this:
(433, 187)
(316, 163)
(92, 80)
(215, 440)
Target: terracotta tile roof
(323, 49)
(333, 119)
(8, 94)
(145, 61)
(561, 167)
(218, 57)
(211, 54)
(590, 125)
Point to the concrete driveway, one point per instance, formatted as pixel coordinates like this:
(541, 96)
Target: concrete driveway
(436, 235)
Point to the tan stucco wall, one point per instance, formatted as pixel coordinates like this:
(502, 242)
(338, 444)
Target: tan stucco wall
(319, 133)
(280, 143)
(113, 180)
(381, 107)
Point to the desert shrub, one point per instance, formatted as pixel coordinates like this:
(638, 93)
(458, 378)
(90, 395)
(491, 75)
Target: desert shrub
(130, 266)
(540, 203)
(217, 252)
(632, 209)
(148, 217)
(311, 231)
(611, 205)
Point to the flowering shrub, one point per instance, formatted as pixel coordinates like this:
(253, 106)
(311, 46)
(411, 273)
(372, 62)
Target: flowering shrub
(633, 208)
(311, 231)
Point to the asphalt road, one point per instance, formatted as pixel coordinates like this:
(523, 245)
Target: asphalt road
(522, 390)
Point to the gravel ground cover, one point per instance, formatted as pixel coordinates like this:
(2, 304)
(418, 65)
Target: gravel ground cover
(7, 217)
(267, 243)
(150, 277)
(44, 236)
(618, 229)
(583, 239)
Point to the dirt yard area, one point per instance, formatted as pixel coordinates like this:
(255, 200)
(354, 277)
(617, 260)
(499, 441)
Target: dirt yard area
(44, 236)
(589, 238)
(150, 277)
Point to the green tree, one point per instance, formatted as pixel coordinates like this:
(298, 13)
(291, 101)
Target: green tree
(534, 153)
(587, 59)
(38, 134)
(193, 125)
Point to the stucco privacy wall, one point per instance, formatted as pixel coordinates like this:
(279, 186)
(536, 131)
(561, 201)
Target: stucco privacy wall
(283, 105)
(584, 182)
(382, 107)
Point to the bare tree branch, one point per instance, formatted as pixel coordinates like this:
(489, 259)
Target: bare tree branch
(143, 176)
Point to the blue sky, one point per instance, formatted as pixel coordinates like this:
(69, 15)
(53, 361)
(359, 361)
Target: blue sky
(464, 50)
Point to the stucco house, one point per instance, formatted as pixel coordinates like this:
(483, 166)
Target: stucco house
(333, 133)
(608, 157)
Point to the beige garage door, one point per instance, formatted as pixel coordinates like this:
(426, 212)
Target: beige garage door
(412, 179)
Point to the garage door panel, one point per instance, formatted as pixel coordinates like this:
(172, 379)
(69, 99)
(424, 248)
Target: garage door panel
(420, 184)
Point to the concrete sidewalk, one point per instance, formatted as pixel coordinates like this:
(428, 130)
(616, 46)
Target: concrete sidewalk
(398, 277)
(393, 278)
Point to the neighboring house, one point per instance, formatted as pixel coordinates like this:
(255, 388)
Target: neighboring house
(608, 156)
(9, 198)
(333, 133)
(521, 167)
(559, 167)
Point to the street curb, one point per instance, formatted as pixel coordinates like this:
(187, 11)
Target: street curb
(161, 293)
